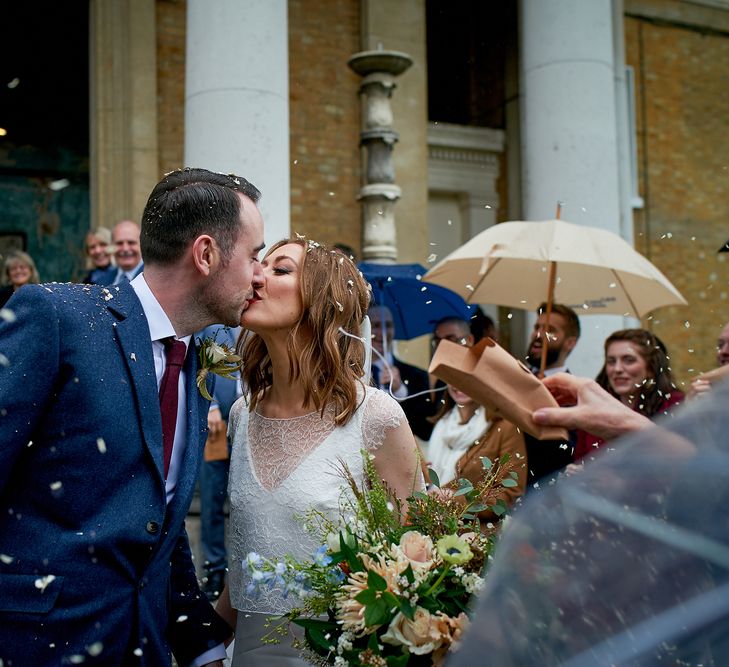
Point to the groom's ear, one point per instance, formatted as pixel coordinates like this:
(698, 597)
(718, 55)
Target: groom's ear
(205, 254)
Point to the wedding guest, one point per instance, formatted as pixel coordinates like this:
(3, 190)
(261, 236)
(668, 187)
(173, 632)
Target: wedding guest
(464, 433)
(213, 480)
(402, 379)
(307, 413)
(100, 263)
(346, 250)
(702, 384)
(637, 372)
(18, 270)
(456, 330)
(722, 346)
(549, 457)
(128, 251)
(483, 326)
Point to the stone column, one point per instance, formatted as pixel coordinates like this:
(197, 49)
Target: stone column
(400, 26)
(569, 131)
(123, 113)
(237, 98)
(379, 194)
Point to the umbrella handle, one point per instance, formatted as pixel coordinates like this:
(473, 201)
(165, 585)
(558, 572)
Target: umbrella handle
(550, 299)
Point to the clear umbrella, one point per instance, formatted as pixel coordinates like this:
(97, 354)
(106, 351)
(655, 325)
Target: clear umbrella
(624, 564)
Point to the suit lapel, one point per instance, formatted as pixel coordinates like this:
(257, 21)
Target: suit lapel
(133, 335)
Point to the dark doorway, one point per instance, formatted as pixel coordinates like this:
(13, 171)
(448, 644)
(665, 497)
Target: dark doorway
(467, 45)
(44, 140)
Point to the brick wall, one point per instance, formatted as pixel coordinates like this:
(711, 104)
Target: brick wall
(682, 97)
(171, 22)
(324, 121)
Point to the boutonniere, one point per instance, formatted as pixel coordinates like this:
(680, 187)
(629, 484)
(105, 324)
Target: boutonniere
(216, 358)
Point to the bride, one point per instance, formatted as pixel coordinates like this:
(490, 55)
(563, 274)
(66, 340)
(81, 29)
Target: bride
(307, 409)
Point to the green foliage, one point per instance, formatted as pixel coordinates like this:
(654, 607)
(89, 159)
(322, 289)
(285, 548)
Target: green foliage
(372, 570)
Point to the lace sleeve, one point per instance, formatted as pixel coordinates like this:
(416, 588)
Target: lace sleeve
(234, 416)
(381, 414)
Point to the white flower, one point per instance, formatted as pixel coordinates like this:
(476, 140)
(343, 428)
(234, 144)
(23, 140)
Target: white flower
(216, 353)
(472, 583)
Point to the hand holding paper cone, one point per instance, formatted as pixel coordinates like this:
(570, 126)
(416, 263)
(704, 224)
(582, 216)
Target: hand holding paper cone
(493, 378)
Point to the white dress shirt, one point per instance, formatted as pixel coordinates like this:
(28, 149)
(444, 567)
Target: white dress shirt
(160, 328)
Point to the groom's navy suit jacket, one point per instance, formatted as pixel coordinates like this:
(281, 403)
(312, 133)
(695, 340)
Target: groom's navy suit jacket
(93, 562)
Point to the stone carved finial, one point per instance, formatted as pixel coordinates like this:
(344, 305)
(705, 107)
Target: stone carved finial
(380, 194)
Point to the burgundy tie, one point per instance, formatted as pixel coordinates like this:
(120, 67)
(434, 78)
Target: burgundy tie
(175, 351)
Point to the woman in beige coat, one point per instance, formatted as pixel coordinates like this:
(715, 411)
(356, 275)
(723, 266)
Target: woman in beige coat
(463, 435)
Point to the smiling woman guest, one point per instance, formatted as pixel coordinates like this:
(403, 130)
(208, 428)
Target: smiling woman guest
(307, 411)
(637, 372)
(100, 262)
(18, 270)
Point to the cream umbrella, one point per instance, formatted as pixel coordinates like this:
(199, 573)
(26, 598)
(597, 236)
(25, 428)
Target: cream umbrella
(523, 264)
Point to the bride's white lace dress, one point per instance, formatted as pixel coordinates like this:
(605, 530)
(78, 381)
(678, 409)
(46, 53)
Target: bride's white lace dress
(279, 469)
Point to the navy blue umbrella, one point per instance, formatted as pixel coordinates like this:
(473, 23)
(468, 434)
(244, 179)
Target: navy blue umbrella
(415, 305)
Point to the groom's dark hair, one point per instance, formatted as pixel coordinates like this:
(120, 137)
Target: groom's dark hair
(187, 203)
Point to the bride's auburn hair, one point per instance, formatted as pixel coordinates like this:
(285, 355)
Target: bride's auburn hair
(327, 363)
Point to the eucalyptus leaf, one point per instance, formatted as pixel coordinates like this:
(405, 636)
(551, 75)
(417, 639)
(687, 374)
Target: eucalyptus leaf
(477, 507)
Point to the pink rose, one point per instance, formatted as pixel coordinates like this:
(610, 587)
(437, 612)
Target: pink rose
(418, 549)
(421, 636)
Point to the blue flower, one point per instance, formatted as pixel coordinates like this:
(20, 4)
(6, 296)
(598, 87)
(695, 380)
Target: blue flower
(252, 561)
(335, 575)
(321, 557)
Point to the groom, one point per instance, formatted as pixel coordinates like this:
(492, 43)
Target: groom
(96, 476)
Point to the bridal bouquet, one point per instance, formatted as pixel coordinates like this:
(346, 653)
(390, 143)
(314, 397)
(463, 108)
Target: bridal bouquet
(381, 593)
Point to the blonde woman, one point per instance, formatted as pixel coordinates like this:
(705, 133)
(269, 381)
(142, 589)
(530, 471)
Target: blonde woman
(100, 260)
(18, 270)
(307, 410)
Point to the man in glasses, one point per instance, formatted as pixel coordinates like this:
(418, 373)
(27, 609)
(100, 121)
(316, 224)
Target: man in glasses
(453, 329)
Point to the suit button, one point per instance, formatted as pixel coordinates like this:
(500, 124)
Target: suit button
(152, 527)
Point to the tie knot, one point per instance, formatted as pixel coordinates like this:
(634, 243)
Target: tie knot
(175, 351)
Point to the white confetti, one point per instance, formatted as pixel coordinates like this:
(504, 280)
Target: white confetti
(101, 444)
(182, 618)
(42, 582)
(7, 315)
(56, 486)
(133, 356)
(4, 558)
(95, 649)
